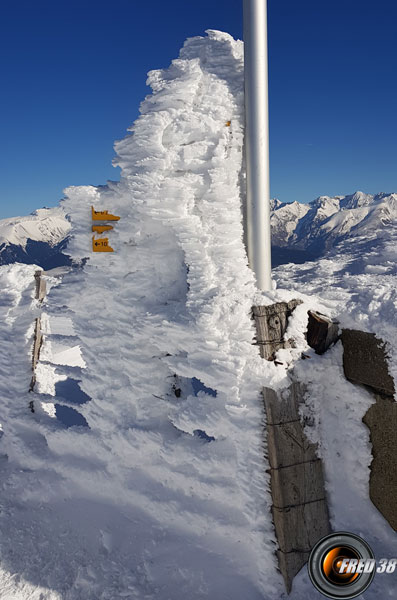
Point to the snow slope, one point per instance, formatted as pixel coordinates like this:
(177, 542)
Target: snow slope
(161, 490)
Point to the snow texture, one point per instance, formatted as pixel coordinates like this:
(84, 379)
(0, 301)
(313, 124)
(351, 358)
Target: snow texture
(142, 472)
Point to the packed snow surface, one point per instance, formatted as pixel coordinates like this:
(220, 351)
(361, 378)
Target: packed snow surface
(142, 471)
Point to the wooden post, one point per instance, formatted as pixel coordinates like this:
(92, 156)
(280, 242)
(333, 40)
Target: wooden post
(41, 288)
(322, 332)
(271, 324)
(37, 343)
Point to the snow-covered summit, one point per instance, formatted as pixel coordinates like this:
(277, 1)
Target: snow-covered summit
(43, 225)
(161, 490)
(326, 221)
(37, 238)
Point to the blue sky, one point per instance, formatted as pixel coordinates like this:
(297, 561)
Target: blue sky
(73, 75)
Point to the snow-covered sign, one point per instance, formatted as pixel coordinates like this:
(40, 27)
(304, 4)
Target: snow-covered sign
(103, 215)
(101, 245)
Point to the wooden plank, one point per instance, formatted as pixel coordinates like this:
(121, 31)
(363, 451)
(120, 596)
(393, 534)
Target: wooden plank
(290, 564)
(288, 445)
(271, 323)
(298, 528)
(281, 409)
(298, 484)
(321, 331)
(37, 343)
(300, 512)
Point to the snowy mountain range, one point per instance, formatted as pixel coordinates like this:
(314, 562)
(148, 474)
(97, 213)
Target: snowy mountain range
(35, 239)
(326, 221)
(300, 231)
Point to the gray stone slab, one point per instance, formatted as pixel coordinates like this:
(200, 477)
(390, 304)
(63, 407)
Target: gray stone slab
(381, 419)
(290, 564)
(297, 484)
(288, 445)
(364, 361)
(298, 528)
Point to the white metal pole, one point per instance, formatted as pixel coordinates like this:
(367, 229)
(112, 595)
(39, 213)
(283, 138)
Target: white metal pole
(257, 141)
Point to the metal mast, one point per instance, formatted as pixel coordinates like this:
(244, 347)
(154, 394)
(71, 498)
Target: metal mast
(257, 141)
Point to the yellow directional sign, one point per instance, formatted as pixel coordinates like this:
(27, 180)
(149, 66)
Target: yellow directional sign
(101, 245)
(103, 215)
(101, 228)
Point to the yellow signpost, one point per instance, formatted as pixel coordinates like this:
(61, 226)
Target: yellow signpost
(101, 245)
(103, 215)
(101, 228)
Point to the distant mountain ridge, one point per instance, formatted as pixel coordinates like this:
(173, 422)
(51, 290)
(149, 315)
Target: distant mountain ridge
(300, 231)
(326, 221)
(38, 238)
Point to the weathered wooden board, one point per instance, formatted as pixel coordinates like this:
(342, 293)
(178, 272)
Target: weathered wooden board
(322, 332)
(271, 324)
(288, 445)
(36, 343)
(298, 484)
(291, 562)
(300, 511)
(41, 288)
(281, 408)
(298, 528)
